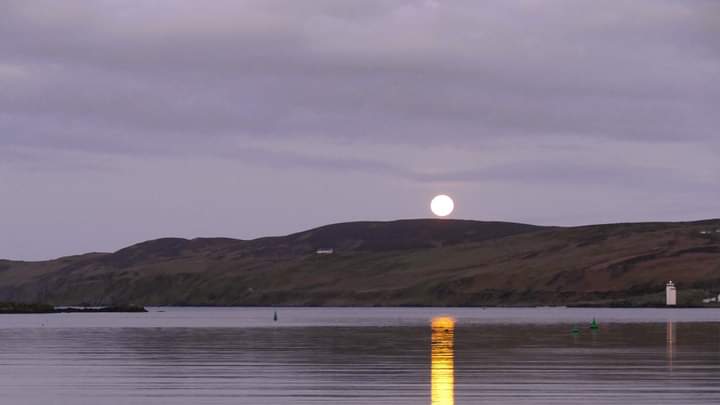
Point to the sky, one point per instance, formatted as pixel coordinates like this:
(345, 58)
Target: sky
(123, 121)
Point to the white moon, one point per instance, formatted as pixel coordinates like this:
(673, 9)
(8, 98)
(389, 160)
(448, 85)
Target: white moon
(442, 205)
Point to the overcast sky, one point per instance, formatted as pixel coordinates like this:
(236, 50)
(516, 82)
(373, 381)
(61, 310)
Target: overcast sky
(122, 121)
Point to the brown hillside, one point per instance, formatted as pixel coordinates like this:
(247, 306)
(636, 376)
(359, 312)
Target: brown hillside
(412, 262)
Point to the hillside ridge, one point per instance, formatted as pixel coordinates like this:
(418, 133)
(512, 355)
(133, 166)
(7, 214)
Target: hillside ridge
(404, 262)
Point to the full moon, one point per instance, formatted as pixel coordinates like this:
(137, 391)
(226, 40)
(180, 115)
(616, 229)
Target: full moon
(442, 205)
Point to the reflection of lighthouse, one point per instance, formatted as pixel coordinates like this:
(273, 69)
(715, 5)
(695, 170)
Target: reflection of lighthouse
(670, 337)
(670, 294)
(443, 364)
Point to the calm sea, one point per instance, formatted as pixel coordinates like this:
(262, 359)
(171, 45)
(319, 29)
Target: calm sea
(362, 356)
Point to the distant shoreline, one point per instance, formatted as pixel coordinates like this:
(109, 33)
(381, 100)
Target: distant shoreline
(568, 306)
(29, 309)
(19, 308)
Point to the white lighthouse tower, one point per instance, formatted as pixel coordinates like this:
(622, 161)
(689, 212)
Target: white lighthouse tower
(670, 294)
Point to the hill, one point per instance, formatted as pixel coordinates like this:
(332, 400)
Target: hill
(409, 262)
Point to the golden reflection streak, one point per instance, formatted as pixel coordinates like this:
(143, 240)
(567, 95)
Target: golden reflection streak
(443, 361)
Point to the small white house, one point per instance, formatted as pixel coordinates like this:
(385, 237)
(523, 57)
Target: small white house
(711, 300)
(670, 294)
(325, 251)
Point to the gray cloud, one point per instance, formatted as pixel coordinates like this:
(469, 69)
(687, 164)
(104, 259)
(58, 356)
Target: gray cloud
(404, 70)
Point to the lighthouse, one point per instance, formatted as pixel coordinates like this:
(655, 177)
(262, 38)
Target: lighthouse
(670, 294)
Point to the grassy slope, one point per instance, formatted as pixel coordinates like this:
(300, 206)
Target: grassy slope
(420, 262)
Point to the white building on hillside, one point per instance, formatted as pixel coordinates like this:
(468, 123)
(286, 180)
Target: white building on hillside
(711, 300)
(670, 294)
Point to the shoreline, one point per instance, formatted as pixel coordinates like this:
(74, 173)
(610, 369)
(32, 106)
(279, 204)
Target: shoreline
(17, 308)
(13, 308)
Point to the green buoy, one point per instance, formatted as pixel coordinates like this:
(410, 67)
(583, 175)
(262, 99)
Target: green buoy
(594, 325)
(575, 330)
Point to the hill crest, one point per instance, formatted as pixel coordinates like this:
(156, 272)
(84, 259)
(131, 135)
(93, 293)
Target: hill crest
(406, 262)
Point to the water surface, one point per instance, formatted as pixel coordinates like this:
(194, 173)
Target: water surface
(362, 356)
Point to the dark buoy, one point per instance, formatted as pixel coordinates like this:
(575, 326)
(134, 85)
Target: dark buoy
(594, 325)
(275, 316)
(575, 330)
